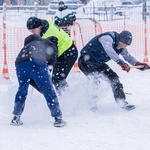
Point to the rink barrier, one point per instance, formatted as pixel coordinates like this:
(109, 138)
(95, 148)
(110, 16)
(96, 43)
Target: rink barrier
(146, 44)
(75, 43)
(5, 71)
(79, 32)
(16, 34)
(98, 27)
(74, 33)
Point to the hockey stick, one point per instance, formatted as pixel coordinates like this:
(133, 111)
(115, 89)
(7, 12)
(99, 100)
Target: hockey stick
(139, 67)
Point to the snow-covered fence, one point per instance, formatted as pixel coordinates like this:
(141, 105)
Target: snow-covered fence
(15, 36)
(22, 12)
(85, 29)
(100, 13)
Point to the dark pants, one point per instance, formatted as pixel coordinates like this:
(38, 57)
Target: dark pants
(88, 68)
(63, 66)
(39, 73)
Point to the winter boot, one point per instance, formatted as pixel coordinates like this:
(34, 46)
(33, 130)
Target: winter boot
(59, 122)
(16, 121)
(124, 105)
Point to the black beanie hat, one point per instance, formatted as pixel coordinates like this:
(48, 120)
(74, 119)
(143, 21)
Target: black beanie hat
(31, 38)
(33, 22)
(125, 37)
(61, 2)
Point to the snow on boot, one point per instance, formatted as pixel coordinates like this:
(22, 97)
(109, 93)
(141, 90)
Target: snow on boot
(59, 122)
(124, 105)
(16, 121)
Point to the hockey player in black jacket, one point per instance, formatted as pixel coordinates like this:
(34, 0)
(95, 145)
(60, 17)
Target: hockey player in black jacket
(102, 49)
(32, 64)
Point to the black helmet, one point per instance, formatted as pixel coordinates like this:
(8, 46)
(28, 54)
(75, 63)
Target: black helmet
(31, 38)
(125, 37)
(33, 23)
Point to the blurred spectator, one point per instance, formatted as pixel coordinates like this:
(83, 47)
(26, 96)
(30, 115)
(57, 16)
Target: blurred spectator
(63, 16)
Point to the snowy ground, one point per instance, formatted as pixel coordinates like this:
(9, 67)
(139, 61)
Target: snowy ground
(110, 128)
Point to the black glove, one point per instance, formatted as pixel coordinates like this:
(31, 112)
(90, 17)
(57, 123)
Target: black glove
(144, 66)
(123, 65)
(54, 40)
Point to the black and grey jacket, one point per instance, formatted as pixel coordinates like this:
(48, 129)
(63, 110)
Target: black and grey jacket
(39, 49)
(103, 48)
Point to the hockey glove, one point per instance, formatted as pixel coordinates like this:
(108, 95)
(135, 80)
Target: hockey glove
(123, 65)
(144, 66)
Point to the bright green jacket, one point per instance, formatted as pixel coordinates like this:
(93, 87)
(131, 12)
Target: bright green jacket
(64, 41)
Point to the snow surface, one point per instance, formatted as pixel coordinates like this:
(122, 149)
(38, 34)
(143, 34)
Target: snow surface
(110, 128)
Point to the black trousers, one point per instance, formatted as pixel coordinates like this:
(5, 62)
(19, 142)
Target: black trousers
(89, 68)
(63, 66)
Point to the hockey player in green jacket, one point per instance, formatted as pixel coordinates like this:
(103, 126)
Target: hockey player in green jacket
(67, 51)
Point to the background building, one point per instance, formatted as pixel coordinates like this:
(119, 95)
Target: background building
(25, 2)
